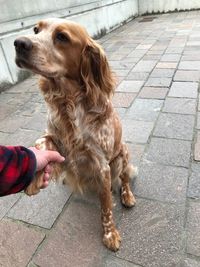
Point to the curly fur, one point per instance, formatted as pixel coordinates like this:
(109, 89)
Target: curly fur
(82, 124)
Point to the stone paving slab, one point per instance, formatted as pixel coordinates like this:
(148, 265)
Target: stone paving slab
(145, 109)
(169, 152)
(76, 239)
(183, 89)
(163, 183)
(187, 75)
(123, 100)
(180, 105)
(159, 82)
(191, 263)
(136, 153)
(197, 147)
(43, 209)
(193, 224)
(6, 204)
(165, 73)
(130, 86)
(194, 181)
(152, 234)
(153, 92)
(136, 131)
(18, 243)
(176, 126)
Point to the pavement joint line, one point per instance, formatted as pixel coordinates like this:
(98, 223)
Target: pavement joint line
(136, 264)
(28, 225)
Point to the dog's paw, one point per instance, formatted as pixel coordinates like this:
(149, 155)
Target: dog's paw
(127, 198)
(112, 240)
(35, 186)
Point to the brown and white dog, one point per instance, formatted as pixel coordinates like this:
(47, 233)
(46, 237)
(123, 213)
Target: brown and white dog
(77, 85)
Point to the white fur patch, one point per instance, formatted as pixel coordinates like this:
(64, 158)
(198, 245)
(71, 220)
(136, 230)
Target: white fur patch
(108, 235)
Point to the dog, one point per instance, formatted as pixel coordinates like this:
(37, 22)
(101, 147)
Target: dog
(77, 84)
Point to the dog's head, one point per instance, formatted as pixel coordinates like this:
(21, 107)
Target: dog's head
(60, 48)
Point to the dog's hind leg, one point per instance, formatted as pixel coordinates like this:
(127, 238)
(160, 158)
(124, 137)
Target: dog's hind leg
(111, 237)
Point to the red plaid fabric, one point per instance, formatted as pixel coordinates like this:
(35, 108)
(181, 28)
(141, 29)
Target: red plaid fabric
(17, 169)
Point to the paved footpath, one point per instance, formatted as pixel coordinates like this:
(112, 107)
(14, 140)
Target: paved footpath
(158, 67)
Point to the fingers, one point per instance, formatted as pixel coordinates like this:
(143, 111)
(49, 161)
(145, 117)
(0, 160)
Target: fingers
(48, 169)
(54, 156)
(46, 177)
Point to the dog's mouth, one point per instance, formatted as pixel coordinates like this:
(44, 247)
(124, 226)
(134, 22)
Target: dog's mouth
(27, 64)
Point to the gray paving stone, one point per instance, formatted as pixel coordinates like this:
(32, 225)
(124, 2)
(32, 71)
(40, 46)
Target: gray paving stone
(136, 131)
(167, 65)
(152, 234)
(3, 138)
(163, 183)
(174, 50)
(138, 76)
(191, 57)
(121, 65)
(197, 147)
(180, 105)
(43, 209)
(111, 261)
(121, 112)
(18, 243)
(151, 57)
(6, 111)
(30, 109)
(144, 109)
(192, 228)
(121, 73)
(153, 92)
(160, 82)
(76, 238)
(38, 122)
(123, 100)
(6, 203)
(144, 66)
(136, 153)
(187, 75)
(189, 65)
(194, 181)
(190, 263)
(130, 86)
(169, 152)
(23, 137)
(198, 121)
(162, 73)
(13, 123)
(183, 89)
(171, 57)
(175, 126)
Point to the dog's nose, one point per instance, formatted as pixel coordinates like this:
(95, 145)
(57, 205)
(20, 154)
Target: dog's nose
(23, 44)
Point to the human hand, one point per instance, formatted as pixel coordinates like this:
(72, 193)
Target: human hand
(43, 160)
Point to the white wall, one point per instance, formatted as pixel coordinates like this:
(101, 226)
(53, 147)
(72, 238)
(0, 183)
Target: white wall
(18, 18)
(155, 6)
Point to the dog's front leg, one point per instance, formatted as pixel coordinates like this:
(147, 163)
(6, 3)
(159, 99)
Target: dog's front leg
(44, 143)
(111, 237)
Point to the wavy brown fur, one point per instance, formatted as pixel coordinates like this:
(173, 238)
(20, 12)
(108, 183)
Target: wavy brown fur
(77, 85)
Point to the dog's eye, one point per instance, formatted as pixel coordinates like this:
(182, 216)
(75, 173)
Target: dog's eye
(36, 30)
(62, 37)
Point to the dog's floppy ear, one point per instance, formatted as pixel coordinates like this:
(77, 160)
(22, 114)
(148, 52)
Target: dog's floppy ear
(95, 71)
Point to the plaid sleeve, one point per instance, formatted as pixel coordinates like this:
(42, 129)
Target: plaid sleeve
(17, 169)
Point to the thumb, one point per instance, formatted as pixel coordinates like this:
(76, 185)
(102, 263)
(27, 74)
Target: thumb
(54, 156)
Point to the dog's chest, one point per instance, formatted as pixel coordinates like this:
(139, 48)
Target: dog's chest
(101, 133)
